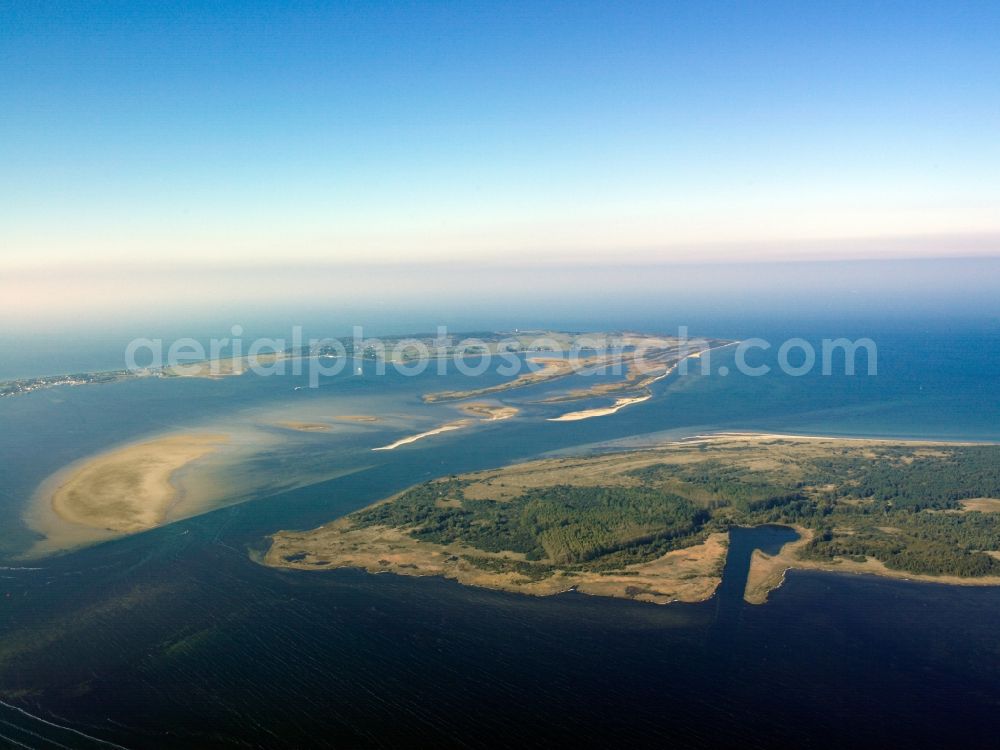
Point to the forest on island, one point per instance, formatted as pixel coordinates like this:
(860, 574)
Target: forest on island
(896, 504)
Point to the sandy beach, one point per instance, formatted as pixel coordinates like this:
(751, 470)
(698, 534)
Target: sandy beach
(130, 489)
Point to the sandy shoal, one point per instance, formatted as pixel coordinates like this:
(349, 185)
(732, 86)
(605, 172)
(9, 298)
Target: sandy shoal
(619, 404)
(456, 425)
(489, 412)
(304, 426)
(130, 489)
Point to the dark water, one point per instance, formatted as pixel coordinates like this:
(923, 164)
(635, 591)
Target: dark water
(177, 638)
(193, 645)
(742, 543)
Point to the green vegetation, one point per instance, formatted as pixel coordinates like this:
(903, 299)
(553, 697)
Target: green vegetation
(722, 484)
(562, 524)
(917, 543)
(901, 476)
(899, 504)
(531, 571)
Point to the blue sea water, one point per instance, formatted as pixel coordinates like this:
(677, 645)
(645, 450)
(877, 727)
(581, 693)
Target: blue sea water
(177, 637)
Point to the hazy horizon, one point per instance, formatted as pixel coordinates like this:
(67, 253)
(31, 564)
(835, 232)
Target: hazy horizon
(246, 133)
(69, 321)
(169, 296)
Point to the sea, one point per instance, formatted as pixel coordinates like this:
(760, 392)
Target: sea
(179, 637)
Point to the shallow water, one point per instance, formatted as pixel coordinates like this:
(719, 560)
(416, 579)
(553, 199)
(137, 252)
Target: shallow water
(176, 637)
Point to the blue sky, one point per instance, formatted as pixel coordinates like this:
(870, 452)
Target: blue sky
(255, 133)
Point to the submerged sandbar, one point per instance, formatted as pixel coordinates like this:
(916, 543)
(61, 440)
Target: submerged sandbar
(130, 489)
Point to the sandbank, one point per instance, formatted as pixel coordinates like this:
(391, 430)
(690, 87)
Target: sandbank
(457, 425)
(619, 404)
(489, 412)
(305, 426)
(130, 489)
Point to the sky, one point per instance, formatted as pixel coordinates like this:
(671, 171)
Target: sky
(151, 134)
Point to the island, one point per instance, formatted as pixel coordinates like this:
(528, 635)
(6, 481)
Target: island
(652, 524)
(639, 359)
(489, 412)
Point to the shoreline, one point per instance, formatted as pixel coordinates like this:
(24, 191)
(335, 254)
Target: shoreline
(852, 438)
(769, 572)
(380, 548)
(691, 574)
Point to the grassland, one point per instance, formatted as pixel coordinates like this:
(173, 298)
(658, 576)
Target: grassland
(652, 524)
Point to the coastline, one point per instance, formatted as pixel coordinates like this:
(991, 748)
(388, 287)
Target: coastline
(691, 574)
(759, 436)
(768, 572)
(377, 547)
